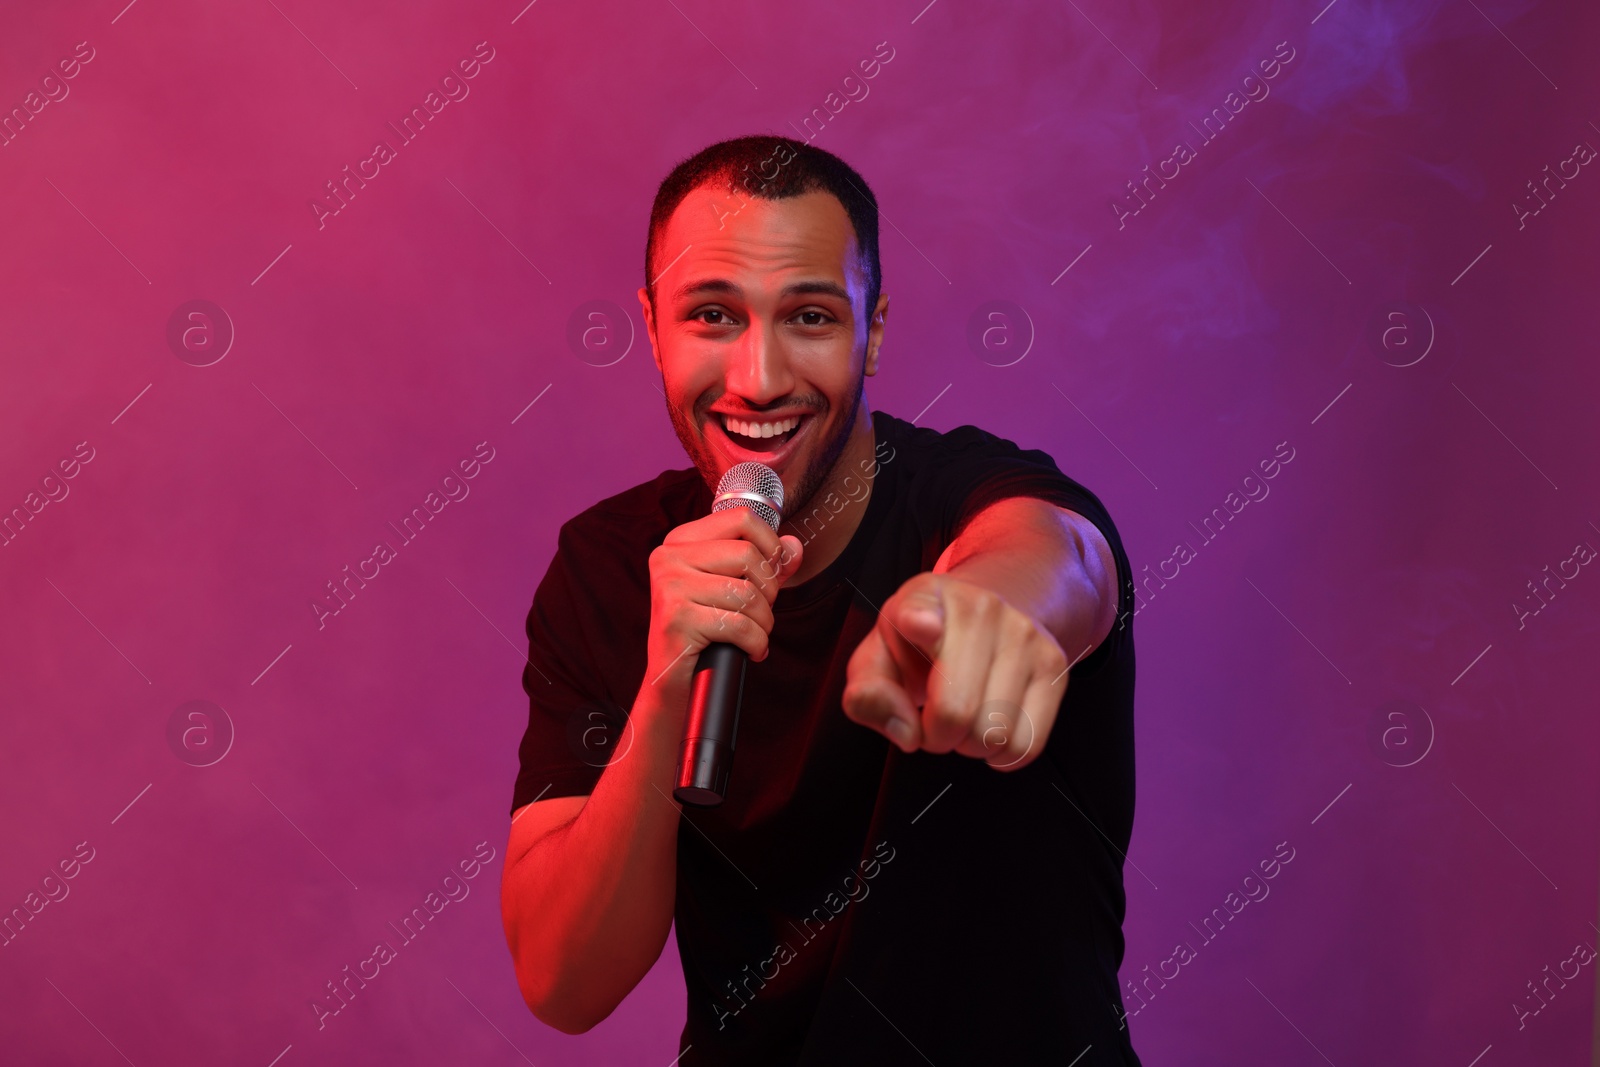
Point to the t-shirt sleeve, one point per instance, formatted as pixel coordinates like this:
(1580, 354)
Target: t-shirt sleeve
(975, 469)
(571, 724)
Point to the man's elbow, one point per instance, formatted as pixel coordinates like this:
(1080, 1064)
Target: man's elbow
(557, 1005)
(567, 1020)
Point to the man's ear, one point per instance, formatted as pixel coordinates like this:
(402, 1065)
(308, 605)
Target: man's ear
(649, 323)
(875, 334)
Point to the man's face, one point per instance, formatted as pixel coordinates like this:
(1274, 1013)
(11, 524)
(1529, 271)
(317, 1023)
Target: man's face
(759, 333)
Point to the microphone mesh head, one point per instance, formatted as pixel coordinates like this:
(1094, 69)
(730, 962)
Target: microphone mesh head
(751, 485)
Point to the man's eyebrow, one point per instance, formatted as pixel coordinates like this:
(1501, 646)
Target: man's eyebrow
(708, 286)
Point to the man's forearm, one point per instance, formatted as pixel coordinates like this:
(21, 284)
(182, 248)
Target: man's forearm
(1033, 554)
(592, 902)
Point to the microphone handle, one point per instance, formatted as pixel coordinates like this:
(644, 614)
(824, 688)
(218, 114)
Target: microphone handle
(713, 722)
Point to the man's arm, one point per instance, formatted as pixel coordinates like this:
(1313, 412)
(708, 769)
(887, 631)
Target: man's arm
(1050, 563)
(587, 893)
(970, 656)
(589, 886)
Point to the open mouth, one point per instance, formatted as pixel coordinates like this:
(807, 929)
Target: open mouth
(761, 435)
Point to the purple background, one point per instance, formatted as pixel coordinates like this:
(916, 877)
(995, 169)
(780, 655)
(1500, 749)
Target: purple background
(1243, 307)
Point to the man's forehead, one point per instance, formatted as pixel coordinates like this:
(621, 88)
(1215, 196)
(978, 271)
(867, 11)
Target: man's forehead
(715, 230)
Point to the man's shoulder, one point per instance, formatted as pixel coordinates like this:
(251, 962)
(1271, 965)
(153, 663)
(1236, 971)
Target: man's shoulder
(968, 468)
(925, 445)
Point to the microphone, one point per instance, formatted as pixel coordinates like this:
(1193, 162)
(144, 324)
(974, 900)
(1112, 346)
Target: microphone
(717, 687)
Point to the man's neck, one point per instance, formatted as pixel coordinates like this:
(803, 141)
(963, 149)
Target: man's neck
(836, 509)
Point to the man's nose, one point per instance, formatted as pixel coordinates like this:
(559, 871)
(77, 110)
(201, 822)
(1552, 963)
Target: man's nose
(758, 368)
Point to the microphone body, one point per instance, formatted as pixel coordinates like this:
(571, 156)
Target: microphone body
(706, 757)
(717, 690)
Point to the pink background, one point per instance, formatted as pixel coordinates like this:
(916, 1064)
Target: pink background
(1245, 306)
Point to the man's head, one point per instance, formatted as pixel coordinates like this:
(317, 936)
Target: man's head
(762, 302)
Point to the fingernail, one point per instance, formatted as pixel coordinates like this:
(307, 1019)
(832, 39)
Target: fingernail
(900, 733)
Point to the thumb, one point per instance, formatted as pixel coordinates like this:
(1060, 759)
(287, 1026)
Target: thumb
(790, 553)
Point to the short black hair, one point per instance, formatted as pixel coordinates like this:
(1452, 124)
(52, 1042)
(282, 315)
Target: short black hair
(772, 167)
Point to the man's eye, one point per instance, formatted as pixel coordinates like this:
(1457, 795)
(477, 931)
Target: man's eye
(821, 317)
(723, 318)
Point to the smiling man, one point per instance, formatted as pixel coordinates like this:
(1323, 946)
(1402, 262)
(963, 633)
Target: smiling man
(920, 851)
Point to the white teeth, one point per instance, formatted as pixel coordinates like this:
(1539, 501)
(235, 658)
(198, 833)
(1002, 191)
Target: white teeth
(760, 429)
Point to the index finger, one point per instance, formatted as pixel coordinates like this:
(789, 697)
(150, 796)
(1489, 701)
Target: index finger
(875, 695)
(732, 524)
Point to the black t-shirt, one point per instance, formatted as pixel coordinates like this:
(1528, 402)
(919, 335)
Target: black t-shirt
(847, 902)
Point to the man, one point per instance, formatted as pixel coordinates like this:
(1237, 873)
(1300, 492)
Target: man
(920, 851)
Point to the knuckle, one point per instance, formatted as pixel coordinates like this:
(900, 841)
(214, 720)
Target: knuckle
(1018, 625)
(983, 606)
(952, 713)
(995, 737)
(756, 527)
(756, 639)
(752, 594)
(769, 567)
(851, 702)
